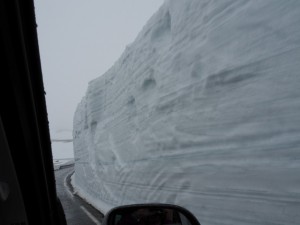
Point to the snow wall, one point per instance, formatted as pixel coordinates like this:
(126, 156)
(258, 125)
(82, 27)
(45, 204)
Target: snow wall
(201, 110)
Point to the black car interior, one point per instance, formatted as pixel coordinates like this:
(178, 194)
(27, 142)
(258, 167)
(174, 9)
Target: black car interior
(27, 183)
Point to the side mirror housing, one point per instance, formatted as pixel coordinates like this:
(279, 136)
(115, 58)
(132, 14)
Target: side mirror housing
(150, 214)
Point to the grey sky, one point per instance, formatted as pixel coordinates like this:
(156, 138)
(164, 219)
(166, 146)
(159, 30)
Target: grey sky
(79, 41)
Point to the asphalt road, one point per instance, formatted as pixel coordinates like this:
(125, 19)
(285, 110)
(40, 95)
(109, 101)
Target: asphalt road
(77, 211)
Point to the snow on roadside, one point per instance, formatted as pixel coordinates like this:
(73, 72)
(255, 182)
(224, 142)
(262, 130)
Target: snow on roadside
(97, 203)
(201, 110)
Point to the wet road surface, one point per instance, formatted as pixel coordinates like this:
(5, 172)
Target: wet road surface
(77, 211)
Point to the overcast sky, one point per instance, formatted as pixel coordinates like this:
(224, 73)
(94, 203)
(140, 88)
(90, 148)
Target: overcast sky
(79, 41)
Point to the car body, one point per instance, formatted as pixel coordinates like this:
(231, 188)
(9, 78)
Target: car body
(27, 183)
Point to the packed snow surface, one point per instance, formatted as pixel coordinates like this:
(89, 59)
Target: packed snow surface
(201, 110)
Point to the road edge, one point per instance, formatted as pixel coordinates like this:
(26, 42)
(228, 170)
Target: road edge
(72, 192)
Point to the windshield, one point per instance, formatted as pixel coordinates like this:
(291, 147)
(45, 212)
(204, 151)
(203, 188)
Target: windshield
(187, 102)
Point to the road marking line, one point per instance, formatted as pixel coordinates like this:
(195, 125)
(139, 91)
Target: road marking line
(90, 215)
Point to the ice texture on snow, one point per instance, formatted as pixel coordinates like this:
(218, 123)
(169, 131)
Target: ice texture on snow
(201, 110)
